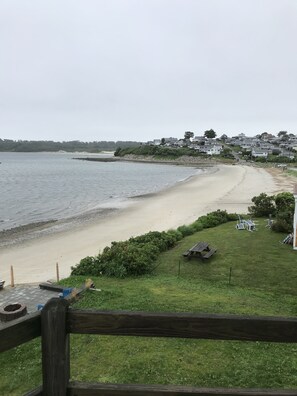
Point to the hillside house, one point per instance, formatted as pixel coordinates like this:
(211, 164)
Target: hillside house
(259, 153)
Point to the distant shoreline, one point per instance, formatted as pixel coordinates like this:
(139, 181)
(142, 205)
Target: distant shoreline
(181, 161)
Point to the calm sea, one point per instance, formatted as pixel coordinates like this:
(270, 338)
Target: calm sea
(41, 187)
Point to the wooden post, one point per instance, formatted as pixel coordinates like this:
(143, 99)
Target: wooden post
(230, 274)
(57, 272)
(295, 220)
(55, 348)
(11, 276)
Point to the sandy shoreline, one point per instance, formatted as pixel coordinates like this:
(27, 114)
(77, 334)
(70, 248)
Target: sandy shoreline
(221, 187)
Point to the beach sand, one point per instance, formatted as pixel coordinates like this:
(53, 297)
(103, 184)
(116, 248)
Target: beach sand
(221, 187)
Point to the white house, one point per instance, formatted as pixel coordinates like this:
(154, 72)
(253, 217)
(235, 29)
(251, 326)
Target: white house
(214, 149)
(156, 142)
(257, 153)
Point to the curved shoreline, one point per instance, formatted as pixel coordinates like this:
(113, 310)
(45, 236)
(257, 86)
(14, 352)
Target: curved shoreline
(25, 232)
(222, 187)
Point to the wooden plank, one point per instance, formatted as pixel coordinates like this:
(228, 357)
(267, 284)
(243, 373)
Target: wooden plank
(51, 287)
(35, 392)
(183, 325)
(55, 347)
(87, 389)
(19, 331)
(209, 254)
(199, 247)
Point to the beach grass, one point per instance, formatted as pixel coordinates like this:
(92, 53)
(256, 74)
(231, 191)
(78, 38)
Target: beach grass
(292, 172)
(263, 282)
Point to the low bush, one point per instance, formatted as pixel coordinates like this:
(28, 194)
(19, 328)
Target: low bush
(232, 216)
(176, 234)
(120, 260)
(263, 205)
(163, 240)
(283, 222)
(137, 255)
(87, 265)
(186, 230)
(281, 206)
(198, 225)
(213, 219)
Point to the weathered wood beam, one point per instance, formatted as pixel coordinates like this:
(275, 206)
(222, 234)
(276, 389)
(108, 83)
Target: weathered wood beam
(19, 331)
(35, 392)
(55, 348)
(183, 325)
(51, 287)
(88, 389)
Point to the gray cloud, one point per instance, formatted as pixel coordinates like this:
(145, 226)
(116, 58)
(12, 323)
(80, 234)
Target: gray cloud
(142, 69)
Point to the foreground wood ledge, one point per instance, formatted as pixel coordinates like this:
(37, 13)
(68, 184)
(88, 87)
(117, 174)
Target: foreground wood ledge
(57, 321)
(19, 331)
(91, 389)
(183, 325)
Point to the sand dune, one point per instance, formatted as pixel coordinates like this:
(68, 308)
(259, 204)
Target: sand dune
(220, 187)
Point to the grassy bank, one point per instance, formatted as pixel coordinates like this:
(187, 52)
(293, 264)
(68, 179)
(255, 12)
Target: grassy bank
(263, 282)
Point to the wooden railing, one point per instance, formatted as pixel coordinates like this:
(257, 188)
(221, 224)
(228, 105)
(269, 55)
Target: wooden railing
(57, 321)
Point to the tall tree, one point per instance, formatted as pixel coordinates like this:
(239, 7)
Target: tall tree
(210, 134)
(281, 134)
(189, 135)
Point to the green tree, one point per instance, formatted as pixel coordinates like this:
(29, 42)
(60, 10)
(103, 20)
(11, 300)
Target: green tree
(282, 133)
(210, 134)
(189, 135)
(285, 205)
(263, 135)
(224, 137)
(263, 205)
(284, 202)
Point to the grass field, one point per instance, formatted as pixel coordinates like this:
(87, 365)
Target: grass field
(263, 282)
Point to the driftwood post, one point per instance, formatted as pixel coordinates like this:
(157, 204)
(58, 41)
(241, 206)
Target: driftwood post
(57, 272)
(55, 348)
(11, 276)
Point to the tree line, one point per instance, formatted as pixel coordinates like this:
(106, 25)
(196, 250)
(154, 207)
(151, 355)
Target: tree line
(75, 145)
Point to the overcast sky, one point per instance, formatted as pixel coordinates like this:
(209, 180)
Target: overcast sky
(143, 69)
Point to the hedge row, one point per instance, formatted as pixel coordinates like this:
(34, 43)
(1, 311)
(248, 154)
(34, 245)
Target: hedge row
(136, 256)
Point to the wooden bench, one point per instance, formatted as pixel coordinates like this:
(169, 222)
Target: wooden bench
(209, 253)
(201, 250)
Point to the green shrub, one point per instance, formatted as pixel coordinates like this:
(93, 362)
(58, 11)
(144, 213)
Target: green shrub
(213, 219)
(284, 202)
(86, 266)
(186, 230)
(282, 206)
(163, 240)
(232, 216)
(157, 151)
(283, 222)
(120, 260)
(263, 205)
(136, 256)
(176, 234)
(198, 226)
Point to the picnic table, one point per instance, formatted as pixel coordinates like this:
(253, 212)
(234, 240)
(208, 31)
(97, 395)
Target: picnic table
(201, 250)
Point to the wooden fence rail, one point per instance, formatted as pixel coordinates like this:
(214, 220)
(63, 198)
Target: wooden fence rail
(57, 321)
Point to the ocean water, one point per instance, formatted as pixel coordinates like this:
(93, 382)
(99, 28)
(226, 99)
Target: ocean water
(45, 187)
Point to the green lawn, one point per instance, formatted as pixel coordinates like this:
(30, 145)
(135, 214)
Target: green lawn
(263, 283)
